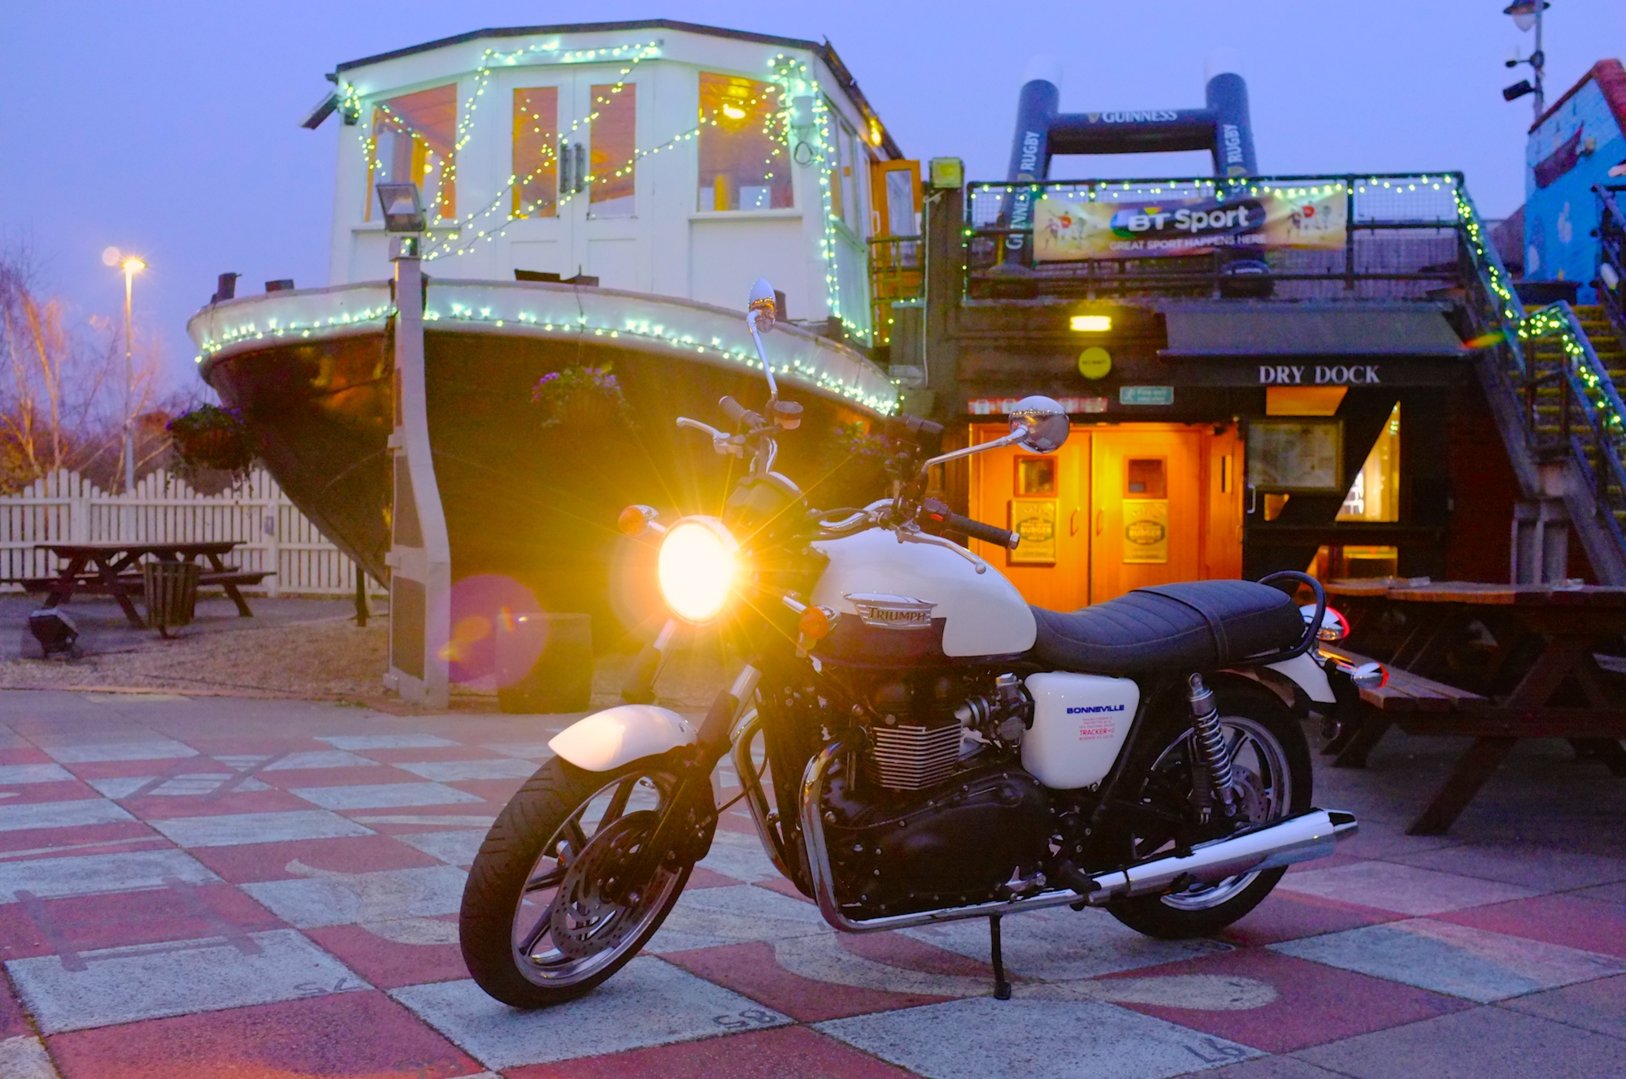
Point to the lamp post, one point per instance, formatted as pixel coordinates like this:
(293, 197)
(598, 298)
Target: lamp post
(131, 265)
(1526, 14)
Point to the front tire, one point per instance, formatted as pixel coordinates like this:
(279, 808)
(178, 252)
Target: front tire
(1271, 763)
(548, 911)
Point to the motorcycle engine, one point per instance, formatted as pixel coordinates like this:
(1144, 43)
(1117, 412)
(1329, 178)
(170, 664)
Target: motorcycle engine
(940, 812)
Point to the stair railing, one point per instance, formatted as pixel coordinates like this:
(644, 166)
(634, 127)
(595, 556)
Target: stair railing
(1592, 418)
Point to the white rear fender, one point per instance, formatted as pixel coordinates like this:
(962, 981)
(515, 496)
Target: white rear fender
(608, 739)
(1303, 672)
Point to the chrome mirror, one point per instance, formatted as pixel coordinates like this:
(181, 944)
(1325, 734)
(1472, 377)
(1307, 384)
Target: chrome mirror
(761, 311)
(1044, 421)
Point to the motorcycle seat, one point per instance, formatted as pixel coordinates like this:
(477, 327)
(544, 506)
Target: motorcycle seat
(1193, 626)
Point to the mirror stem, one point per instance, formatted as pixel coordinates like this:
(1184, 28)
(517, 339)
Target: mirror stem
(982, 447)
(767, 368)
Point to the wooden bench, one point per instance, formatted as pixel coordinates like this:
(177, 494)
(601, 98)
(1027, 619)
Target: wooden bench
(232, 576)
(1397, 700)
(88, 583)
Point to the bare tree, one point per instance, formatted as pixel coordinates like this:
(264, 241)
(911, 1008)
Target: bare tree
(62, 387)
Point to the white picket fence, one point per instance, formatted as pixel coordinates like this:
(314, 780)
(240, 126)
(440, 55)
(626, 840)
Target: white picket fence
(64, 507)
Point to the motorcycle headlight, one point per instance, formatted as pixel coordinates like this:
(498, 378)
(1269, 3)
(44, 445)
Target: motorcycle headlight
(698, 565)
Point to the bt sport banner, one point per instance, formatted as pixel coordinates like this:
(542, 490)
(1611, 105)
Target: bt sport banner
(1067, 231)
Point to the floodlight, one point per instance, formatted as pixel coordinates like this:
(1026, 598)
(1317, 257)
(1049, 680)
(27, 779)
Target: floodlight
(55, 632)
(1090, 323)
(403, 209)
(1517, 90)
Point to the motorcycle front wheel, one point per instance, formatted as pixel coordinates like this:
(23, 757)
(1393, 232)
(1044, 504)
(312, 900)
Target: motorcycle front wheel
(550, 908)
(1270, 760)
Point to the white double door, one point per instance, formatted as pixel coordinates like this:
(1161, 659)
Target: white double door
(576, 186)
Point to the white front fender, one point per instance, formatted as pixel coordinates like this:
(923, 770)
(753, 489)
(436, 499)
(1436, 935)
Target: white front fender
(615, 736)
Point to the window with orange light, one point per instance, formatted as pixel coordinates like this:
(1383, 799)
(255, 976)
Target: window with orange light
(743, 164)
(613, 148)
(536, 152)
(413, 141)
(848, 168)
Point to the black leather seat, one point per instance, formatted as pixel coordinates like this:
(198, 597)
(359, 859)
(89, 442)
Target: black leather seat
(1196, 626)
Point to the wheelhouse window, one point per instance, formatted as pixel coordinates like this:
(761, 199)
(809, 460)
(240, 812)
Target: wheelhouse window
(614, 154)
(742, 151)
(413, 142)
(846, 158)
(535, 159)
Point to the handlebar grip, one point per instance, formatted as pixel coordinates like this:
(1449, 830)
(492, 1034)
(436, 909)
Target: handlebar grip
(939, 518)
(738, 413)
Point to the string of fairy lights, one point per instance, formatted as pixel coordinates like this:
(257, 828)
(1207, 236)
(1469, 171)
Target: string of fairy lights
(790, 79)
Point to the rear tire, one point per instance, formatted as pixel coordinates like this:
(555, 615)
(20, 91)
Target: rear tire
(545, 916)
(1271, 759)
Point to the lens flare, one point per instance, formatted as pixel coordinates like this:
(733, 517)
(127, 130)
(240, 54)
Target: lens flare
(697, 568)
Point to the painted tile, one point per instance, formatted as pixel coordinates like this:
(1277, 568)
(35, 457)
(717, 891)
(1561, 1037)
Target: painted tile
(1599, 1005)
(351, 1034)
(25, 1058)
(738, 855)
(406, 823)
(648, 1002)
(497, 792)
(86, 839)
(1454, 959)
(1544, 867)
(390, 954)
(148, 981)
(98, 873)
(707, 917)
(150, 749)
(1287, 916)
(227, 829)
(536, 752)
(1267, 1000)
(454, 771)
(226, 801)
(13, 1021)
(251, 862)
(758, 1054)
(1557, 919)
(364, 742)
(825, 976)
(312, 759)
(384, 795)
(16, 818)
(183, 786)
(452, 847)
(72, 925)
(347, 898)
(973, 1039)
(1480, 1042)
(18, 774)
(1059, 944)
(1401, 888)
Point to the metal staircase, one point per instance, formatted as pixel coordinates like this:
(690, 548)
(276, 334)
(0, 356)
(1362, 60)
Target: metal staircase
(1552, 378)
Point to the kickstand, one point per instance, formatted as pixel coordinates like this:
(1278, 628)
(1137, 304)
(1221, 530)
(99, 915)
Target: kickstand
(1002, 987)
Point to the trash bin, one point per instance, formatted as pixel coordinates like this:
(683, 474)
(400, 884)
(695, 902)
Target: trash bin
(545, 663)
(171, 592)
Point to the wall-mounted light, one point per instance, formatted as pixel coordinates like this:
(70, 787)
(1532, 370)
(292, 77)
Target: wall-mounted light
(1090, 323)
(403, 209)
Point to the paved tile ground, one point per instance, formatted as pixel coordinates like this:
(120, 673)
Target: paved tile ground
(269, 888)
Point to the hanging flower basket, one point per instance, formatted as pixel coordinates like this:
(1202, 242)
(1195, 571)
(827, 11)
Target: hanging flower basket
(211, 438)
(582, 399)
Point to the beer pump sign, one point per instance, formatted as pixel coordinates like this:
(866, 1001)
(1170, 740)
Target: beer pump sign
(1070, 231)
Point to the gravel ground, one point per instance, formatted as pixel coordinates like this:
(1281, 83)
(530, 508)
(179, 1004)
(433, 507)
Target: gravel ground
(306, 648)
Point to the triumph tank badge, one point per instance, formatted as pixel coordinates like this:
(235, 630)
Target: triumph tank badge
(891, 612)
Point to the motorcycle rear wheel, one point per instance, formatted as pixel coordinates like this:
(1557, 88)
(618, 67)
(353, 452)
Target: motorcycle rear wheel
(1271, 759)
(548, 912)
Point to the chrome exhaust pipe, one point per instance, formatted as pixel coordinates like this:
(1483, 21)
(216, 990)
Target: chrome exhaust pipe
(1267, 846)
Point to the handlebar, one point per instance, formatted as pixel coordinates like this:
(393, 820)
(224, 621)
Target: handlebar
(935, 517)
(738, 414)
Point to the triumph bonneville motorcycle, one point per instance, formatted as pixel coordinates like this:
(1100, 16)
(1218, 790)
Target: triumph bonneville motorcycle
(932, 747)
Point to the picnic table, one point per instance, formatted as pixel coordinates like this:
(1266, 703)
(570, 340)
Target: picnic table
(112, 569)
(1495, 662)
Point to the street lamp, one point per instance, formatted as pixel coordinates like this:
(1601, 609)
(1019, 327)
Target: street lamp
(1527, 14)
(131, 265)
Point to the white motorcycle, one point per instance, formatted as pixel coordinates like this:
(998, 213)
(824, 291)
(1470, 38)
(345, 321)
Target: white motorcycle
(933, 748)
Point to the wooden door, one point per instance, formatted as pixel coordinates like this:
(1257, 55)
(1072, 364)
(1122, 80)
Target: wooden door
(1147, 514)
(1049, 494)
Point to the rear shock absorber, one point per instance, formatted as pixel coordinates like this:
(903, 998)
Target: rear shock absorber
(1208, 742)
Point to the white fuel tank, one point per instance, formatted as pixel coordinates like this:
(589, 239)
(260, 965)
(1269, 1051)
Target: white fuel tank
(1080, 722)
(911, 587)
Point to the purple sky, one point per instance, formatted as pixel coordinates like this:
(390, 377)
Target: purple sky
(170, 127)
